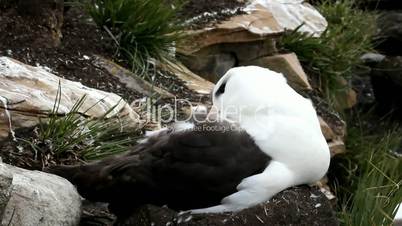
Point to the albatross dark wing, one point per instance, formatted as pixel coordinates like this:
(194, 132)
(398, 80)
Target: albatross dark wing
(184, 170)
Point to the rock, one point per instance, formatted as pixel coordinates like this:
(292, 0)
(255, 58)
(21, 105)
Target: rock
(326, 130)
(239, 29)
(345, 96)
(335, 142)
(290, 14)
(326, 190)
(37, 198)
(386, 79)
(263, 18)
(361, 83)
(390, 32)
(213, 61)
(96, 214)
(295, 206)
(332, 125)
(192, 81)
(370, 58)
(212, 50)
(131, 80)
(5, 183)
(337, 147)
(210, 67)
(345, 99)
(29, 93)
(288, 65)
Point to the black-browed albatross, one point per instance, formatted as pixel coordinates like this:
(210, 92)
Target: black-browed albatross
(265, 139)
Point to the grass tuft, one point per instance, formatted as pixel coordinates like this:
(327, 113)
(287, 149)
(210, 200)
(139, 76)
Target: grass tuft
(369, 176)
(73, 137)
(336, 53)
(144, 30)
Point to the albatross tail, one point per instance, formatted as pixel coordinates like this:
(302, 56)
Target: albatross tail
(100, 181)
(115, 181)
(90, 183)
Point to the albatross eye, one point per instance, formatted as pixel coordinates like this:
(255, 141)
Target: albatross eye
(221, 89)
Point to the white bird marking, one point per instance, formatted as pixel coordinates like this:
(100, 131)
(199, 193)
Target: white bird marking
(283, 124)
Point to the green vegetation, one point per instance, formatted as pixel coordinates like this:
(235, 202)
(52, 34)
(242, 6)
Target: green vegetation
(144, 30)
(367, 179)
(336, 53)
(72, 136)
(369, 176)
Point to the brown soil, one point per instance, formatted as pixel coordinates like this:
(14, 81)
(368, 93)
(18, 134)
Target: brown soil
(72, 60)
(20, 153)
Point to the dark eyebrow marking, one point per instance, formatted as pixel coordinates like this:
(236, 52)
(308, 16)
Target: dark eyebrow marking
(221, 89)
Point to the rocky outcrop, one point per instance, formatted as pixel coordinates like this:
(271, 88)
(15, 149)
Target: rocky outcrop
(28, 93)
(37, 198)
(334, 140)
(287, 64)
(295, 206)
(212, 50)
(263, 18)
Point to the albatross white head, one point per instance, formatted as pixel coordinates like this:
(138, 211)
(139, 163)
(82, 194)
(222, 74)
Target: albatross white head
(253, 92)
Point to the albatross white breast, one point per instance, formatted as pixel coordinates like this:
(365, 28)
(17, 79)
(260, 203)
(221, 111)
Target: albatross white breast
(265, 139)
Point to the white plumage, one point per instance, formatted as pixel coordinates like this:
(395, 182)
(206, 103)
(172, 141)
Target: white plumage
(283, 124)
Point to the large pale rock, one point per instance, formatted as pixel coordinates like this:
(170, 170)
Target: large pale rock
(290, 14)
(263, 18)
(130, 79)
(288, 65)
(27, 93)
(254, 26)
(37, 198)
(212, 50)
